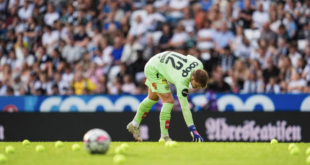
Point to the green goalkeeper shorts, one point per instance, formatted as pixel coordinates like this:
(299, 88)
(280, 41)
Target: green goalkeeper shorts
(155, 81)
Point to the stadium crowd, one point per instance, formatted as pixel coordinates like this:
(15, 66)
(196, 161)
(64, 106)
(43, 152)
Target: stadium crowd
(64, 47)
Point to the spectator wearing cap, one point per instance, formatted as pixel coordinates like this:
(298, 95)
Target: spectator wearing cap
(71, 52)
(26, 11)
(253, 84)
(51, 15)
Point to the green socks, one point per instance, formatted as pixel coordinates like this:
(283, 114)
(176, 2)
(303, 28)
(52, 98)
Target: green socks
(165, 116)
(143, 109)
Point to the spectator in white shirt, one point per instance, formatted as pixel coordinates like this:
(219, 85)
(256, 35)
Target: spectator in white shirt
(272, 87)
(106, 56)
(152, 18)
(294, 55)
(50, 39)
(26, 11)
(51, 15)
(204, 36)
(260, 17)
(129, 54)
(179, 37)
(72, 53)
(297, 84)
(68, 76)
(253, 84)
(176, 8)
(138, 28)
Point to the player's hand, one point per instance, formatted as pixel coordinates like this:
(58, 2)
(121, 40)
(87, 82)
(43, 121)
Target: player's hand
(195, 134)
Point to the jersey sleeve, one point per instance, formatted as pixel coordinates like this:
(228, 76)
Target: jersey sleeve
(182, 90)
(187, 114)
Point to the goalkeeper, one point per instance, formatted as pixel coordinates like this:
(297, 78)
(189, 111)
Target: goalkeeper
(179, 70)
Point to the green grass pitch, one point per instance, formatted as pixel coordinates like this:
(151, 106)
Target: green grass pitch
(154, 153)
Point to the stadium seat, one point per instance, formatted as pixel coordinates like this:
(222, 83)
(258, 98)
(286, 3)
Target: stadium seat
(301, 44)
(252, 34)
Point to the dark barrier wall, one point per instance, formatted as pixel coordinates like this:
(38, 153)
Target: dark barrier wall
(213, 126)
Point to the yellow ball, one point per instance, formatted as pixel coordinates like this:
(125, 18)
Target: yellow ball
(26, 142)
(295, 151)
(173, 144)
(76, 147)
(40, 148)
(274, 141)
(119, 159)
(125, 146)
(119, 150)
(161, 140)
(167, 144)
(3, 158)
(308, 160)
(308, 151)
(9, 150)
(291, 146)
(59, 144)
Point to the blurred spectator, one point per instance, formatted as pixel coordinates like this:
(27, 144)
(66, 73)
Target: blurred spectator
(297, 84)
(272, 87)
(26, 11)
(204, 36)
(267, 34)
(260, 17)
(270, 71)
(223, 37)
(128, 87)
(117, 50)
(253, 84)
(129, 54)
(227, 59)
(71, 52)
(294, 55)
(219, 85)
(50, 15)
(82, 85)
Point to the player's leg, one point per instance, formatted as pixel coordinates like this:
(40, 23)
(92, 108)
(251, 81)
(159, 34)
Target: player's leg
(165, 114)
(143, 109)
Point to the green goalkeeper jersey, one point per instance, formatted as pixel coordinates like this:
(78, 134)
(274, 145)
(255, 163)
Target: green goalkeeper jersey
(176, 68)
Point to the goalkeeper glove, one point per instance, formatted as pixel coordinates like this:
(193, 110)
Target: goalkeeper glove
(195, 134)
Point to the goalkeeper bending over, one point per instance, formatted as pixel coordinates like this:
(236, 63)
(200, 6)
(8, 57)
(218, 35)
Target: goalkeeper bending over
(179, 70)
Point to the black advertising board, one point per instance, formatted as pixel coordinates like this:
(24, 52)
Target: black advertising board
(213, 126)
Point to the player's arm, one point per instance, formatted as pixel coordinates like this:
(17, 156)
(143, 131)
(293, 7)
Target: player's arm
(187, 114)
